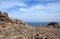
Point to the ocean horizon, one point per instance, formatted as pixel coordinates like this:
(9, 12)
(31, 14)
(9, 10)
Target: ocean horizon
(39, 23)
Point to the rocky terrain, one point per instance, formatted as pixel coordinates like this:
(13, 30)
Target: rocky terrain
(11, 28)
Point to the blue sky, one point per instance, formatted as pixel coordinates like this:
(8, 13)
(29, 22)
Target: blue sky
(32, 10)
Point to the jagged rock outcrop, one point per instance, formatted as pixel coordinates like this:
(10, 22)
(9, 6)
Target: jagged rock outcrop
(3, 16)
(11, 28)
(54, 24)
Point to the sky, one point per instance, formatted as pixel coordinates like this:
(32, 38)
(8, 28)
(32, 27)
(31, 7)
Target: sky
(32, 10)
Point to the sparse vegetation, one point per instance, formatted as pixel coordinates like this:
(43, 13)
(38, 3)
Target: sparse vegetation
(16, 29)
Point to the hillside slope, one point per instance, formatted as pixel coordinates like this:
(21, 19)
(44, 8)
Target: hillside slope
(11, 28)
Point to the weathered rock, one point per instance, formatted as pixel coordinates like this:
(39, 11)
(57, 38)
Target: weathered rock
(53, 24)
(0, 13)
(5, 14)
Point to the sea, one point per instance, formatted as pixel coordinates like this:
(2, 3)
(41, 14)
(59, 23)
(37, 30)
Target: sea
(39, 23)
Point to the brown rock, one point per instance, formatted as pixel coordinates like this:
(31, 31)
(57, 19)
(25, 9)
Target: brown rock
(53, 24)
(0, 13)
(5, 14)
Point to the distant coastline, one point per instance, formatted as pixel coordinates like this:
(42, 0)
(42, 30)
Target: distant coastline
(38, 23)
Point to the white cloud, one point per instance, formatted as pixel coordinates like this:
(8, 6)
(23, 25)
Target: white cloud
(41, 13)
(35, 13)
(46, 8)
(10, 4)
(22, 9)
(53, 6)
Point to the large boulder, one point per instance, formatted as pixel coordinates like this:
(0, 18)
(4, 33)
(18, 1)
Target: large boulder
(5, 14)
(0, 13)
(53, 24)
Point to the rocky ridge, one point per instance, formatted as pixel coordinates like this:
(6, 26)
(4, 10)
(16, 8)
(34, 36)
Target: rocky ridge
(11, 28)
